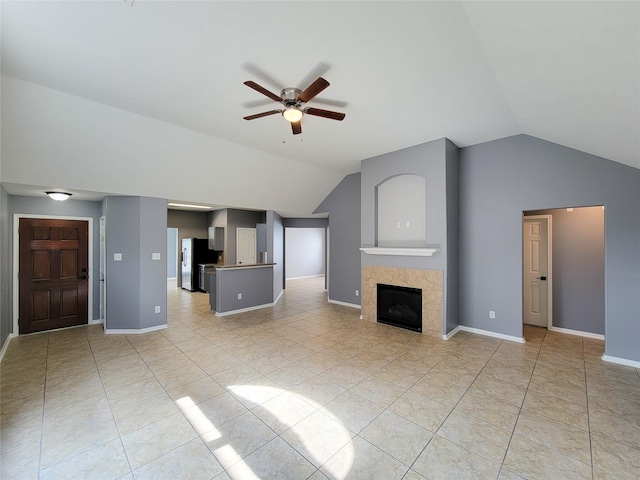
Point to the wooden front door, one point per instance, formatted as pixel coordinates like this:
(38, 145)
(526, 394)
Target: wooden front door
(54, 279)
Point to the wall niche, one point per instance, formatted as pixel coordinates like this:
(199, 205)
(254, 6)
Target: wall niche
(401, 212)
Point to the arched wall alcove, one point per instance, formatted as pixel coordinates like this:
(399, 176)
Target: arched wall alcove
(401, 211)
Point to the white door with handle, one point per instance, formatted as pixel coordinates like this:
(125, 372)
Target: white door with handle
(536, 293)
(246, 246)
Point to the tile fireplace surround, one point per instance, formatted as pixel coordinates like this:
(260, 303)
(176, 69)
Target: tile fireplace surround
(430, 281)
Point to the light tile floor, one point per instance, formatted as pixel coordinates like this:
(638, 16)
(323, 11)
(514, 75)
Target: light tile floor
(307, 390)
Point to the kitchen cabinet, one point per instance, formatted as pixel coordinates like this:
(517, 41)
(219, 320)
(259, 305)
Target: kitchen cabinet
(216, 238)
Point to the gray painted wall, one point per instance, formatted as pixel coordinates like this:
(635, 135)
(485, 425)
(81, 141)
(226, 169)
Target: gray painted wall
(578, 268)
(69, 208)
(136, 227)
(500, 180)
(6, 260)
(275, 249)
(344, 272)
(304, 252)
(172, 252)
(153, 273)
(255, 284)
(122, 278)
(452, 273)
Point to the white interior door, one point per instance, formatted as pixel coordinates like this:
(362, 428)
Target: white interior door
(246, 245)
(536, 271)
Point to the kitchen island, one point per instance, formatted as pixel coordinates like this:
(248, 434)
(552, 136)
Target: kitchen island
(241, 288)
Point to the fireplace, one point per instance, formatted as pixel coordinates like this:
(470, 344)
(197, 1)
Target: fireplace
(400, 306)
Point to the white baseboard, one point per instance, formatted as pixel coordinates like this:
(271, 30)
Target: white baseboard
(279, 297)
(113, 331)
(447, 336)
(578, 333)
(344, 304)
(5, 346)
(486, 333)
(621, 361)
(242, 310)
(306, 276)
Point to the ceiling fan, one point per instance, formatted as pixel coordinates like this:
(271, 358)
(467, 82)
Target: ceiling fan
(293, 100)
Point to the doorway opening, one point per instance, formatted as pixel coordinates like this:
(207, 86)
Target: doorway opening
(306, 257)
(563, 270)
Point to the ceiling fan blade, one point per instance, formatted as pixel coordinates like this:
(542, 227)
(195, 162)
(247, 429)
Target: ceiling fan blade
(262, 90)
(263, 114)
(318, 112)
(296, 127)
(314, 89)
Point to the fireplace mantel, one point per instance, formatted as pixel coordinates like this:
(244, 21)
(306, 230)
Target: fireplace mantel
(403, 251)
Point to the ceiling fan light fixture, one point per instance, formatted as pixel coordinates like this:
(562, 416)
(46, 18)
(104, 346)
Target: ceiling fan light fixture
(292, 114)
(59, 196)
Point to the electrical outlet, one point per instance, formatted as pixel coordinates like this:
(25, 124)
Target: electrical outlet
(157, 308)
(397, 224)
(357, 293)
(407, 224)
(239, 296)
(492, 314)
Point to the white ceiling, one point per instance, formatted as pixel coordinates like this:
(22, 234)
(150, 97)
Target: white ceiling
(403, 72)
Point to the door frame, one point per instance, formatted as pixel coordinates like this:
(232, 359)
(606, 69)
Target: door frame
(102, 271)
(16, 264)
(549, 219)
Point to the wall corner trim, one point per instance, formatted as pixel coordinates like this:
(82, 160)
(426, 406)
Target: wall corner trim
(5, 346)
(279, 297)
(132, 331)
(488, 333)
(621, 361)
(344, 304)
(449, 335)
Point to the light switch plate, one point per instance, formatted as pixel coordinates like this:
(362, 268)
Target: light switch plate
(155, 256)
(117, 257)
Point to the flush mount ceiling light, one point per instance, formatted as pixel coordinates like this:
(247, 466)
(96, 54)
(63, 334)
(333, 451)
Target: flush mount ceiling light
(59, 196)
(188, 205)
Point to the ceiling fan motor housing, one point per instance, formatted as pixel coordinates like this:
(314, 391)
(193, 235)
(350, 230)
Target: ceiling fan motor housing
(290, 96)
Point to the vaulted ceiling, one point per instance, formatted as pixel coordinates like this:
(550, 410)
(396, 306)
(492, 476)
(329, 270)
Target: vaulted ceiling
(403, 72)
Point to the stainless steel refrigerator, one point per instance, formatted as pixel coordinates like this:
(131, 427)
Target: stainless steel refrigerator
(194, 252)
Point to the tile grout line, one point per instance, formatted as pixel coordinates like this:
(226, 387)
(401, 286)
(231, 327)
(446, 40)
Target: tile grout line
(515, 425)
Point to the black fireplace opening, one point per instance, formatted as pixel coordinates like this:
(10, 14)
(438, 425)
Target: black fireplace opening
(400, 306)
